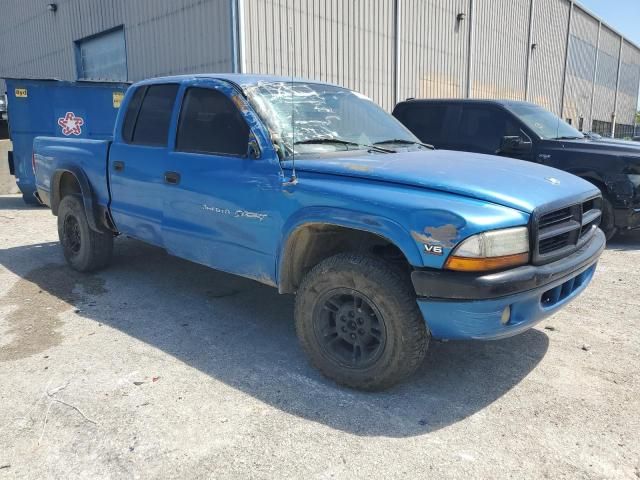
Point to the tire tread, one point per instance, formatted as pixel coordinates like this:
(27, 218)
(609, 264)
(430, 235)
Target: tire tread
(416, 336)
(100, 243)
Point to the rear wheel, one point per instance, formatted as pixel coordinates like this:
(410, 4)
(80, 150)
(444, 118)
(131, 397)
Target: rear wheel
(607, 223)
(84, 249)
(357, 319)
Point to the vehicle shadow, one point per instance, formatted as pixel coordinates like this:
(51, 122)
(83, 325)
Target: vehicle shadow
(625, 242)
(241, 333)
(15, 202)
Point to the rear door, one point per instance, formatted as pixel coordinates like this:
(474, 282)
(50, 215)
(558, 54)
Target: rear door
(139, 163)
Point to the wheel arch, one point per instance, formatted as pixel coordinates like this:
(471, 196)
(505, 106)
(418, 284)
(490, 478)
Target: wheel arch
(70, 180)
(597, 181)
(310, 240)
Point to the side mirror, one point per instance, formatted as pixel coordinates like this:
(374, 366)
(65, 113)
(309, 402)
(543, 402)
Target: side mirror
(515, 145)
(253, 149)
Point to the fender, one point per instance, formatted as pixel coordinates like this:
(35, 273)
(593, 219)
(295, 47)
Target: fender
(85, 191)
(614, 186)
(383, 227)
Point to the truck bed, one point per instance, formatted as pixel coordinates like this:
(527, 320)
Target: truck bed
(90, 156)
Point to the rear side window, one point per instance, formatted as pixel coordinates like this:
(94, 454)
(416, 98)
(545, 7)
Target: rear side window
(152, 125)
(211, 123)
(425, 121)
(132, 114)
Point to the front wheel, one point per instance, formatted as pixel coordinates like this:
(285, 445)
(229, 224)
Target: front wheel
(358, 321)
(607, 224)
(84, 249)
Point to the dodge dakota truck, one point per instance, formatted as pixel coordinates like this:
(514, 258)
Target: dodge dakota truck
(313, 189)
(527, 131)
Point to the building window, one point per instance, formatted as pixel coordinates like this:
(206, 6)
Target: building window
(102, 56)
(601, 128)
(625, 131)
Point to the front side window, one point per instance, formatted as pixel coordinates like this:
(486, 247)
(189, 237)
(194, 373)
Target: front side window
(315, 118)
(543, 122)
(211, 123)
(152, 125)
(482, 129)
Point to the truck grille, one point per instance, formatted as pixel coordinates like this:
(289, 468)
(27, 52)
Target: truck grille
(561, 231)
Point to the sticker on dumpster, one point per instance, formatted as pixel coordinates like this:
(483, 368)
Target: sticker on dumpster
(117, 99)
(70, 124)
(21, 93)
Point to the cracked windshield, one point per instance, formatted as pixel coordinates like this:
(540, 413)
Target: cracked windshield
(308, 118)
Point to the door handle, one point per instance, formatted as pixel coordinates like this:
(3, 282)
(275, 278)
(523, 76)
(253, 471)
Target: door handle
(172, 178)
(118, 166)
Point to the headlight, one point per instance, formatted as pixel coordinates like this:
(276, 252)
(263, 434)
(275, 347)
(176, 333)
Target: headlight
(635, 179)
(494, 250)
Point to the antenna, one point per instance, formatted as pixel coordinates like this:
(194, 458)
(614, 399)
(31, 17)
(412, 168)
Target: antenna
(294, 176)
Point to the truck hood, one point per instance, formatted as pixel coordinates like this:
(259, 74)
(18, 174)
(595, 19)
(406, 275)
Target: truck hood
(604, 145)
(505, 181)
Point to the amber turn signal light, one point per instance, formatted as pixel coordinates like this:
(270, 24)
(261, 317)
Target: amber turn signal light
(467, 264)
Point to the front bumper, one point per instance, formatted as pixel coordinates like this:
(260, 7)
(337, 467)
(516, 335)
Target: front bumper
(470, 306)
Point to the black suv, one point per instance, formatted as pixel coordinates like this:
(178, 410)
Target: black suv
(526, 131)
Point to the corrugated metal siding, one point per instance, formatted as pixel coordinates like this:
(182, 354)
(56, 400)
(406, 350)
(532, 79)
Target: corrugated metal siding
(350, 43)
(501, 49)
(171, 37)
(629, 81)
(433, 48)
(550, 24)
(606, 76)
(581, 67)
(162, 36)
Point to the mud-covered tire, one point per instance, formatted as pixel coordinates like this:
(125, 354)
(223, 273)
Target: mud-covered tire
(607, 222)
(84, 249)
(387, 304)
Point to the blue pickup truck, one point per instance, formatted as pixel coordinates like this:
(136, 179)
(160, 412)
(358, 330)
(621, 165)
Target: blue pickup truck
(315, 190)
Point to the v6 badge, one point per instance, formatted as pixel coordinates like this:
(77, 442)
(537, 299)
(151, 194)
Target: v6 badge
(433, 249)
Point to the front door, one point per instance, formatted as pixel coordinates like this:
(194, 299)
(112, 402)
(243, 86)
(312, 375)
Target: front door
(223, 210)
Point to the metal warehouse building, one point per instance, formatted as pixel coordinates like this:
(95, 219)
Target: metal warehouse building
(551, 52)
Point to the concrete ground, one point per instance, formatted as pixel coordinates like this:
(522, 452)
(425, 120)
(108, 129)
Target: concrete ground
(159, 368)
(7, 181)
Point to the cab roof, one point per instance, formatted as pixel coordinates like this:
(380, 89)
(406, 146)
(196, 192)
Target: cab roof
(462, 101)
(243, 80)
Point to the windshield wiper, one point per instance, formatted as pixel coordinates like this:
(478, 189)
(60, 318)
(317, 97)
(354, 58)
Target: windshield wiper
(406, 142)
(569, 138)
(339, 141)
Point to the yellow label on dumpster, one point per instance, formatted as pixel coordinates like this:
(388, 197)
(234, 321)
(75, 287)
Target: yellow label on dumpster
(21, 93)
(117, 99)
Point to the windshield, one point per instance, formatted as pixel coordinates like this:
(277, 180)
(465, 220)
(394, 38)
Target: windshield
(316, 118)
(543, 122)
